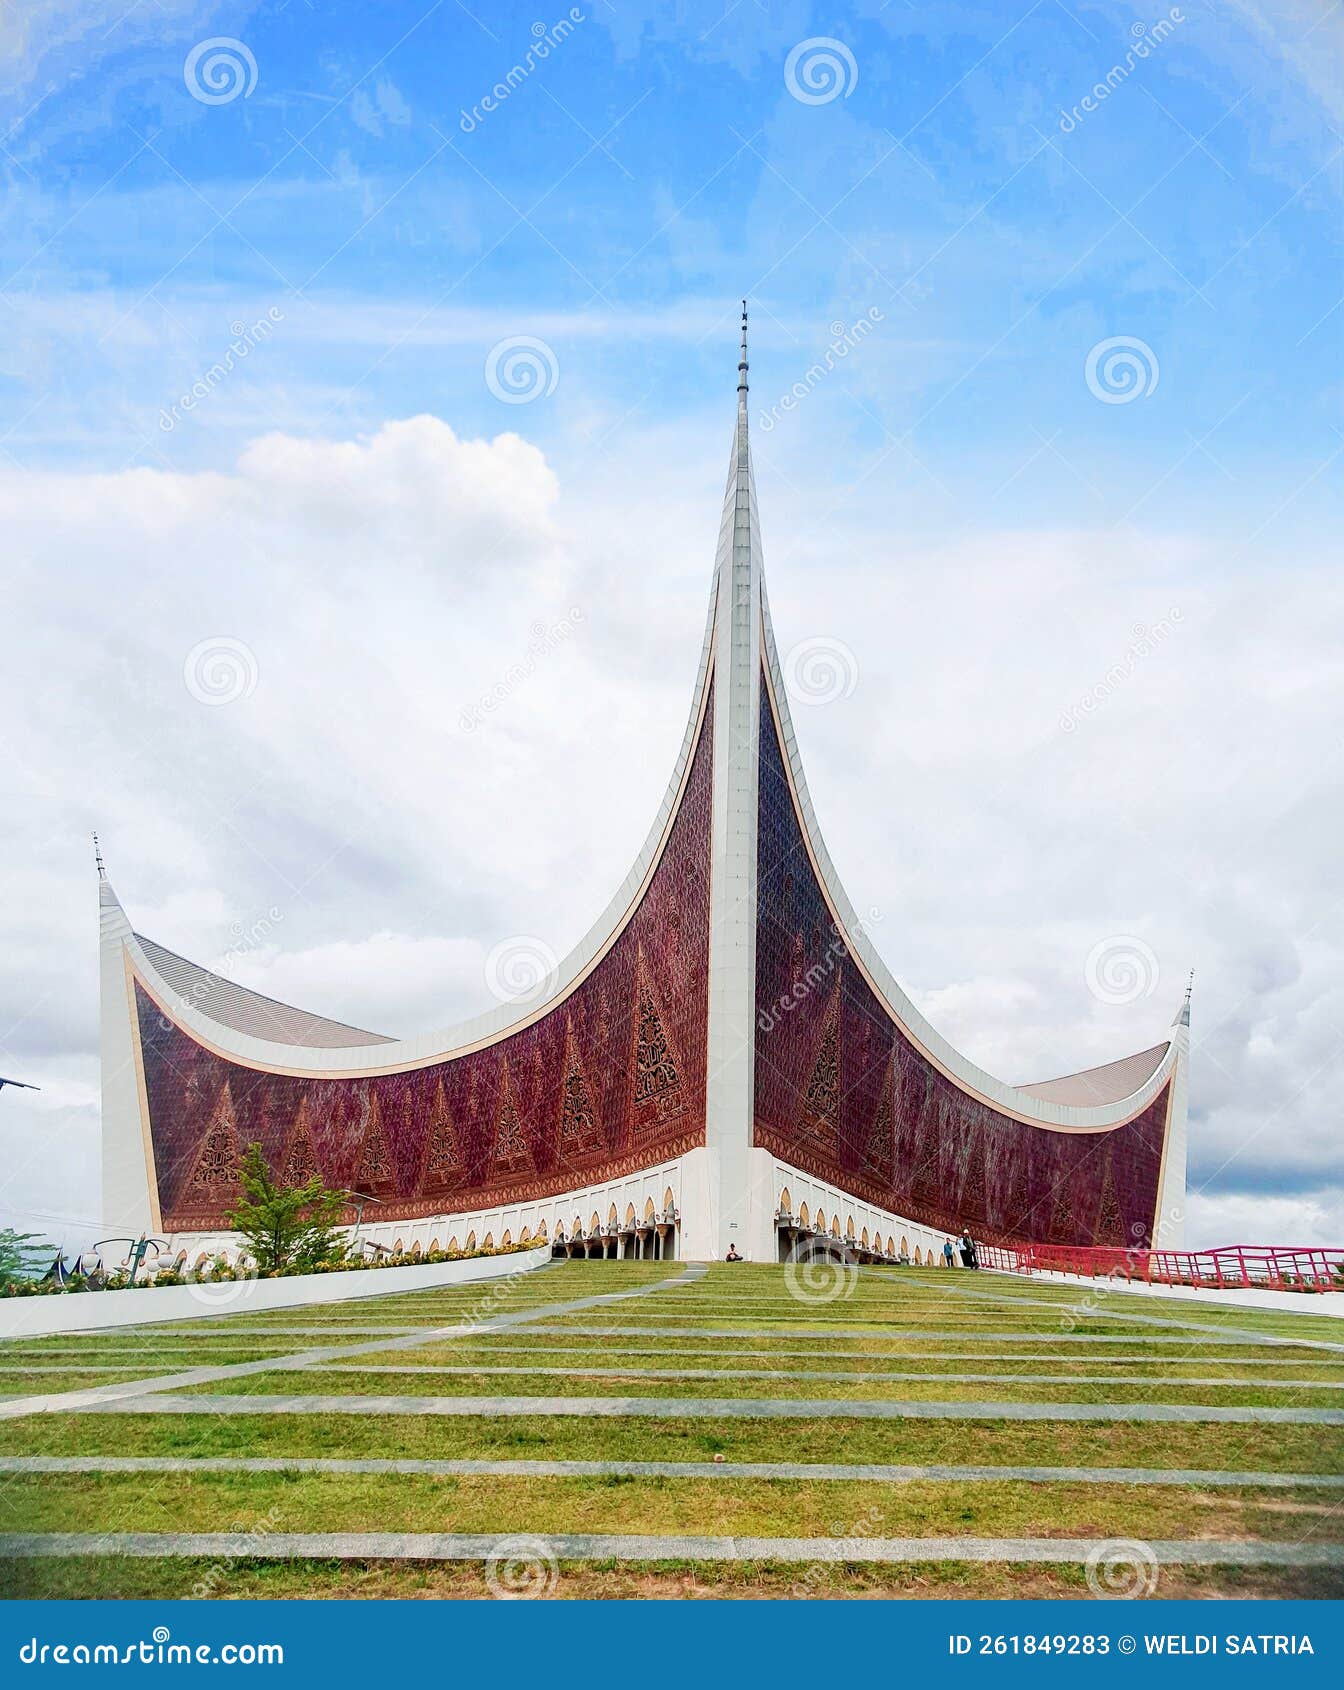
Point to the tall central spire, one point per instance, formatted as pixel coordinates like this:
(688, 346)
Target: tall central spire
(730, 1212)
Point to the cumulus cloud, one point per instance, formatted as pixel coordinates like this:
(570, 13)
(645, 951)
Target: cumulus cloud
(441, 694)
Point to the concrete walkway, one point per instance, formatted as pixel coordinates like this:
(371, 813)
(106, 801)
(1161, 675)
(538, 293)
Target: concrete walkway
(586, 1546)
(919, 1335)
(616, 1371)
(693, 1408)
(798, 1471)
(1093, 1304)
(1329, 1303)
(100, 1396)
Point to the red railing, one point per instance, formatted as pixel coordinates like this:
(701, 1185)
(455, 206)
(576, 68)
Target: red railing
(1233, 1266)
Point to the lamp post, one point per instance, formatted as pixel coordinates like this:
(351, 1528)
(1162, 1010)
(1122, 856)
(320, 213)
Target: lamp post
(139, 1248)
(359, 1199)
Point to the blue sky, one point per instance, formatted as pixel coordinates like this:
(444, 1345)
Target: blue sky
(981, 525)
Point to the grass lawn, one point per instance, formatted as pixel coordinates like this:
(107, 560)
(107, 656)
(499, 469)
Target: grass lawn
(766, 1344)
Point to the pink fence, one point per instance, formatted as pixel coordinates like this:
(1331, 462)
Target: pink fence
(1234, 1265)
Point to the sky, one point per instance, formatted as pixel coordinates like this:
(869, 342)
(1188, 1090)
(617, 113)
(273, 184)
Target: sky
(367, 376)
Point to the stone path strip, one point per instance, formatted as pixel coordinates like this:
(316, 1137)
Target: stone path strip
(1089, 1292)
(1089, 1360)
(616, 1371)
(584, 1546)
(692, 1408)
(912, 1334)
(100, 1396)
(804, 1472)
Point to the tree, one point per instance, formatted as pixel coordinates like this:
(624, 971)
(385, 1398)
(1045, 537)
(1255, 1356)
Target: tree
(22, 1254)
(286, 1226)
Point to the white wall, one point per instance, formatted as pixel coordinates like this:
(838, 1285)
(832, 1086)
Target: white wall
(98, 1311)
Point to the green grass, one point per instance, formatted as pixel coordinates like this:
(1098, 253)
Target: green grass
(661, 1507)
(353, 1380)
(912, 1321)
(1277, 1449)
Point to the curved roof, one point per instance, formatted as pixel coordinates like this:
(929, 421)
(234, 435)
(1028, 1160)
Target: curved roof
(243, 1011)
(1106, 1084)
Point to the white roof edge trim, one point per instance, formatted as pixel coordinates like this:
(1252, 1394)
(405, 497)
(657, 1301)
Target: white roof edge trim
(1010, 1100)
(443, 1045)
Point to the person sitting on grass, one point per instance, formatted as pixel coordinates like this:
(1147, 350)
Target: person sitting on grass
(732, 1255)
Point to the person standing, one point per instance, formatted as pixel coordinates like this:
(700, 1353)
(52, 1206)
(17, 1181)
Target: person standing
(967, 1250)
(947, 1252)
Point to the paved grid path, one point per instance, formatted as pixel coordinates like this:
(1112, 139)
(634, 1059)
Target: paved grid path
(584, 1546)
(884, 1333)
(1088, 1307)
(693, 1408)
(101, 1396)
(616, 1370)
(39, 1364)
(806, 1472)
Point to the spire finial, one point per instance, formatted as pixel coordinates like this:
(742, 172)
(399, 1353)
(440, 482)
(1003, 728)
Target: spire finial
(742, 361)
(98, 858)
(1183, 1013)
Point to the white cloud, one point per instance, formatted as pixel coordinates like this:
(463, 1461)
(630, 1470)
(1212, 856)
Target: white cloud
(384, 586)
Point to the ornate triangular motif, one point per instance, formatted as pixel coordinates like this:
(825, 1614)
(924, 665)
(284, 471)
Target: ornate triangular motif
(821, 1103)
(1019, 1215)
(1062, 1229)
(374, 1171)
(300, 1164)
(580, 1133)
(1110, 1228)
(878, 1153)
(510, 1154)
(443, 1159)
(214, 1179)
(972, 1199)
(657, 1090)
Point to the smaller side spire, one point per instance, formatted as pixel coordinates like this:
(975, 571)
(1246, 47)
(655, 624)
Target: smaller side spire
(98, 859)
(1183, 1014)
(742, 361)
